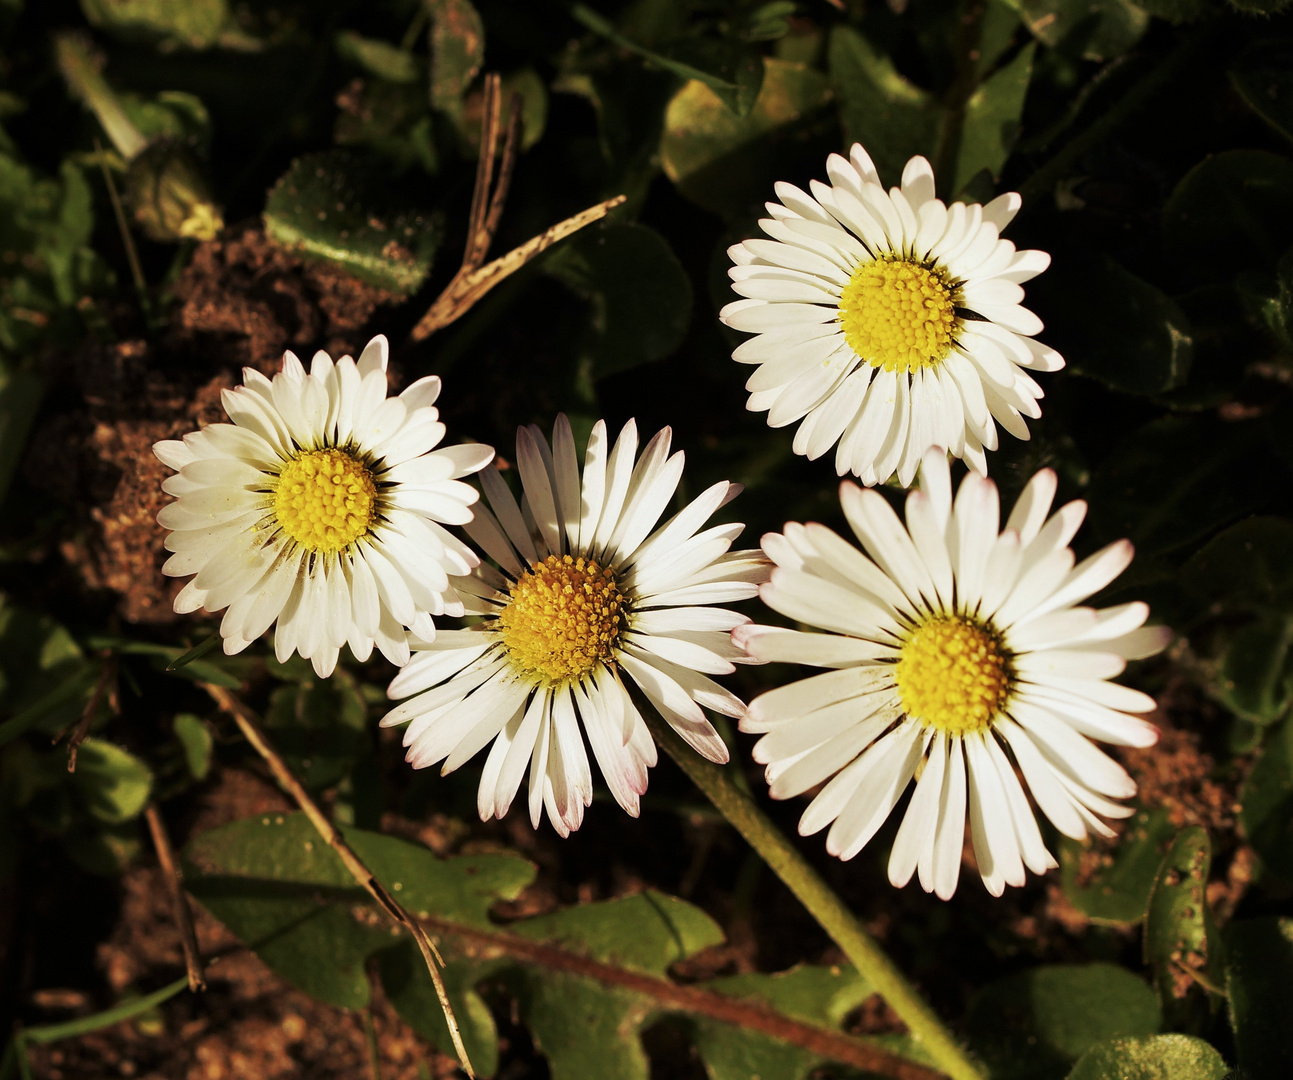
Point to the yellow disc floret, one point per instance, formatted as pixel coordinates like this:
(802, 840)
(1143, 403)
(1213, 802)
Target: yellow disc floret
(954, 674)
(325, 499)
(898, 314)
(564, 618)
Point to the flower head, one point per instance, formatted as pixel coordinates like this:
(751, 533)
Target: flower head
(588, 590)
(959, 656)
(888, 322)
(321, 508)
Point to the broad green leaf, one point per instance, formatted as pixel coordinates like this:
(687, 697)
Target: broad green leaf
(890, 116)
(1152, 1057)
(379, 58)
(731, 70)
(1116, 892)
(1142, 343)
(392, 118)
(45, 674)
(113, 783)
(639, 291)
(1181, 945)
(819, 996)
(197, 24)
(1248, 567)
(330, 207)
(107, 850)
(409, 989)
(275, 883)
(992, 119)
(1266, 803)
(1175, 11)
(20, 394)
(1259, 975)
(1036, 1024)
(1263, 77)
(728, 163)
(1176, 480)
(319, 728)
(457, 51)
(170, 115)
(196, 742)
(1255, 680)
(646, 932)
(1231, 212)
(1091, 29)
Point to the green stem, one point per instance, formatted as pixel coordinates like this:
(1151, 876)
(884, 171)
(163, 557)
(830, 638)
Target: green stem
(85, 1024)
(822, 903)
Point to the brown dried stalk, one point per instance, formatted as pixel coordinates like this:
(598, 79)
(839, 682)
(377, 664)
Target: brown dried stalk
(247, 723)
(179, 905)
(104, 685)
(473, 281)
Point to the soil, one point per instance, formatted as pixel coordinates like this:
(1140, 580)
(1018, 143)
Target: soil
(240, 302)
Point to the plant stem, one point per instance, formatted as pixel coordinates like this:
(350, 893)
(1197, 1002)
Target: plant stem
(822, 903)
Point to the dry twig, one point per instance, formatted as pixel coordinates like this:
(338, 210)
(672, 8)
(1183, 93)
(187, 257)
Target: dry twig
(179, 905)
(246, 721)
(104, 685)
(473, 281)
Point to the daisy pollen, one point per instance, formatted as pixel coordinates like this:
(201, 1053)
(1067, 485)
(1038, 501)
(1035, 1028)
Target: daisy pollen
(589, 597)
(960, 658)
(887, 322)
(320, 508)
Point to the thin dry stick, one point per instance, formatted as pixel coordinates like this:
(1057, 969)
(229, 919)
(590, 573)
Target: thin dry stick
(246, 721)
(82, 729)
(132, 255)
(472, 281)
(179, 905)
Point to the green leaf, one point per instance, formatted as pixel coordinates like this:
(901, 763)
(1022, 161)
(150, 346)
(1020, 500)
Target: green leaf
(888, 115)
(113, 783)
(1116, 891)
(457, 51)
(1090, 29)
(1266, 803)
(731, 70)
(1259, 974)
(287, 895)
(392, 118)
(1142, 342)
(20, 394)
(728, 163)
(330, 207)
(1175, 11)
(378, 57)
(1255, 680)
(319, 728)
(639, 290)
(1181, 945)
(992, 119)
(1263, 77)
(1153, 1057)
(1176, 480)
(820, 996)
(197, 24)
(1037, 1023)
(409, 989)
(1248, 567)
(196, 741)
(1231, 212)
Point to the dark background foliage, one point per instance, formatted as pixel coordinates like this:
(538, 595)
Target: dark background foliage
(336, 144)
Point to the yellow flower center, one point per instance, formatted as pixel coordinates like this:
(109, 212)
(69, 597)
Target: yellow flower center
(899, 315)
(325, 499)
(954, 675)
(564, 618)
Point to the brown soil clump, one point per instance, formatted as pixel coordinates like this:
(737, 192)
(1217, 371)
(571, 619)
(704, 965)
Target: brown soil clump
(242, 302)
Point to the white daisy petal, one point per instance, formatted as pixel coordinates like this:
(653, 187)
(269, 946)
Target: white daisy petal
(958, 641)
(903, 286)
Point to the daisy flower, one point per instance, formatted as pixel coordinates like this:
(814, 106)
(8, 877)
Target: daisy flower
(321, 508)
(585, 594)
(959, 657)
(888, 322)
